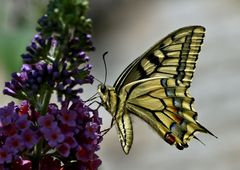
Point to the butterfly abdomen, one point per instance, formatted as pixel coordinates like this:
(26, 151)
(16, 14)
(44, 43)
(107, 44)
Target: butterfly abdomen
(115, 105)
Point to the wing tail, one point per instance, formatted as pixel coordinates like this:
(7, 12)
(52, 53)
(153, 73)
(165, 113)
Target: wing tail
(166, 105)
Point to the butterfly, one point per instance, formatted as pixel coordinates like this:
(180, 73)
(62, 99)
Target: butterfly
(154, 87)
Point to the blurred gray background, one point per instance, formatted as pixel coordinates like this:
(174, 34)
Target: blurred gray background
(126, 28)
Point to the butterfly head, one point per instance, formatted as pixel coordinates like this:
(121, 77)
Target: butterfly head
(102, 89)
(103, 92)
(106, 93)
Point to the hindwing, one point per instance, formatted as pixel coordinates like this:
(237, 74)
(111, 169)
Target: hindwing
(166, 105)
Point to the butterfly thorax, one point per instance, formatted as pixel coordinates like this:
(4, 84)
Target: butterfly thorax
(109, 98)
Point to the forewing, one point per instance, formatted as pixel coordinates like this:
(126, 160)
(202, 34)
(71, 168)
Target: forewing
(166, 105)
(174, 56)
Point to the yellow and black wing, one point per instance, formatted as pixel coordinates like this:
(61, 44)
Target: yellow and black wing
(166, 105)
(174, 56)
(155, 88)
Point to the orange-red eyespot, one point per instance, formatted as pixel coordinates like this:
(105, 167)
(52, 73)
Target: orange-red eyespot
(169, 138)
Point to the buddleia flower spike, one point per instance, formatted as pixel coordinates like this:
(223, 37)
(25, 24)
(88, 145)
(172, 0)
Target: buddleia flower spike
(39, 134)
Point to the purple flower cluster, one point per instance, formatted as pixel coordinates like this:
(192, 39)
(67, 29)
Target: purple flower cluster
(80, 127)
(38, 49)
(16, 133)
(37, 135)
(63, 75)
(71, 133)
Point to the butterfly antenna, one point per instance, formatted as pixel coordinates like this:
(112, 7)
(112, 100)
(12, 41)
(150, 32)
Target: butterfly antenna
(97, 80)
(105, 65)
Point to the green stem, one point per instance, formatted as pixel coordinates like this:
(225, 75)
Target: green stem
(46, 100)
(37, 155)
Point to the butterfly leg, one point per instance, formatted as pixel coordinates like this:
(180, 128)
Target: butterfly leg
(93, 97)
(105, 131)
(99, 104)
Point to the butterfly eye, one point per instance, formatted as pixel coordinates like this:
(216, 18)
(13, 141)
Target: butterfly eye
(103, 88)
